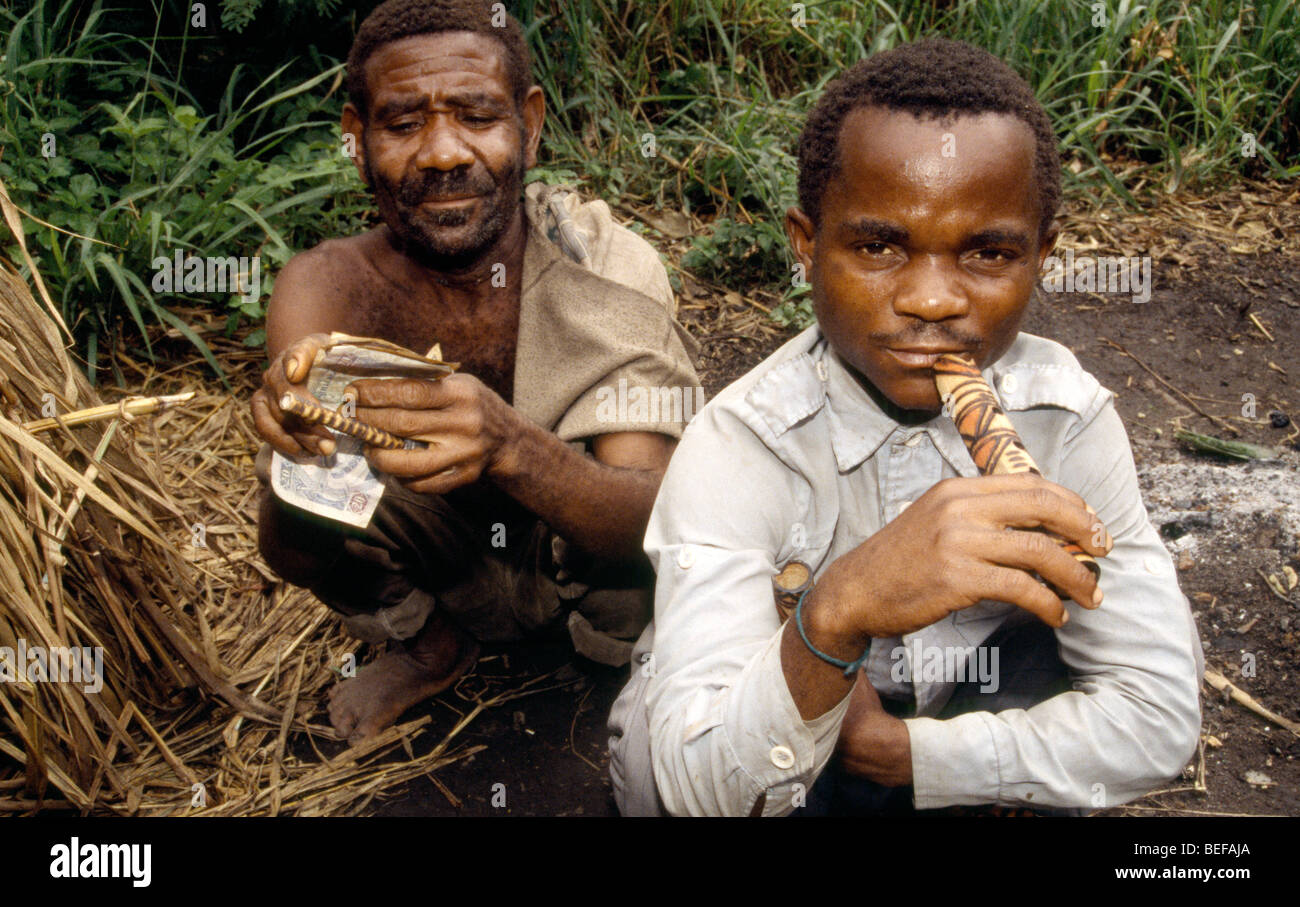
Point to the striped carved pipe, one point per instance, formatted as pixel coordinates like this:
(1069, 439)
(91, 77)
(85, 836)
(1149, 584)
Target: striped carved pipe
(311, 414)
(987, 432)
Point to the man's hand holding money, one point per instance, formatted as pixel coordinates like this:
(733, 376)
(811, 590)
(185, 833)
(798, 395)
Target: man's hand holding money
(469, 429)
(285, 432)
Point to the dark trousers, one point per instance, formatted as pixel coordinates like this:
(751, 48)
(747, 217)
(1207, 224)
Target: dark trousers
(493, 568)
(1030, 671)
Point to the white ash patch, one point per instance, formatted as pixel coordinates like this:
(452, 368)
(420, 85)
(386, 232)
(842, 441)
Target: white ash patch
(1206, 497)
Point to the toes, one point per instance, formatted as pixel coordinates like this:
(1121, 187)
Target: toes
(343, 718)
(368, 729)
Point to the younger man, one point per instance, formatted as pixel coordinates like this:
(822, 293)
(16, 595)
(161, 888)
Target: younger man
(928, 187)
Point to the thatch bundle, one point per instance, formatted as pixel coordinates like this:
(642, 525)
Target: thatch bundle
(210, 666)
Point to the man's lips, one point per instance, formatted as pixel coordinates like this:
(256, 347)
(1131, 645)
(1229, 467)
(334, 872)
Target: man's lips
(920, 357)
(450, 201)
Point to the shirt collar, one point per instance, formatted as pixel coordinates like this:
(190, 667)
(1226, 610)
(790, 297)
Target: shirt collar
(859, 426)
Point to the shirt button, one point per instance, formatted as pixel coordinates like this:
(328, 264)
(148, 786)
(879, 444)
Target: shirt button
(821, 370)
(1009, 384)
(782, 757)
(685, 558)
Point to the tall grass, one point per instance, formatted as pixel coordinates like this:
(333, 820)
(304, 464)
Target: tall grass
(106, 146)
(680, 104)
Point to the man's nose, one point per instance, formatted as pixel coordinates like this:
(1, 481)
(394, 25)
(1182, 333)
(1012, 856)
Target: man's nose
(443, 147)
(930, 291)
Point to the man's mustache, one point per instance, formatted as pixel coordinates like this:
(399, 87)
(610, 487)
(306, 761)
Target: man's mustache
(421, 187)
(928, 335)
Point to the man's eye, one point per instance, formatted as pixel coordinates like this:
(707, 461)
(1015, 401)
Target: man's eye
(403, 126)
(995, 255)
(874, 248)
(478, 119)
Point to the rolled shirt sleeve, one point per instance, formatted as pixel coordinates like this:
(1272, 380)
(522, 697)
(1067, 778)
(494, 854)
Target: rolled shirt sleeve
(1133, 718)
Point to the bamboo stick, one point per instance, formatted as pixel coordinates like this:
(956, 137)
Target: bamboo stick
(127, 409)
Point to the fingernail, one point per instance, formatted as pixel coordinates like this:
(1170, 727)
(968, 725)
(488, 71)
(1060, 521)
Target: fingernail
(291, 367)
(1065, 617)
(1089, 508)
(1097, 597)
(327, 448)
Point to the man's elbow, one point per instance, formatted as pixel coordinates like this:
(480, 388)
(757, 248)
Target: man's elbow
(1170, 740)
(1182, 734)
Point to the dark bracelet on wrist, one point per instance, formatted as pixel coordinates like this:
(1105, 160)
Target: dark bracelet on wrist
(850, 667)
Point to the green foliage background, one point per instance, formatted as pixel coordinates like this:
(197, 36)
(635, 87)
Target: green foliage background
(220, 136)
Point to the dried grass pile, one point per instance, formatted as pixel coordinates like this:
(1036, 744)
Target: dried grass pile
(211, 667)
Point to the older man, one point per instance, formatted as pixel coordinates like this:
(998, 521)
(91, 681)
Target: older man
(530, 498)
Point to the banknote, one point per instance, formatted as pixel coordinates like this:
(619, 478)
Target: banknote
(344, 487)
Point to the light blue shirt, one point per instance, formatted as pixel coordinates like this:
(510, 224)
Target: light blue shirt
(795, 461)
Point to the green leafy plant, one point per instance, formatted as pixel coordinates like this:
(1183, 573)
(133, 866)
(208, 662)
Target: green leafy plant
(142, 179)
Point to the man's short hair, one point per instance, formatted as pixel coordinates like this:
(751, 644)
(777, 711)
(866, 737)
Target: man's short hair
(934, 78)
(399, 19)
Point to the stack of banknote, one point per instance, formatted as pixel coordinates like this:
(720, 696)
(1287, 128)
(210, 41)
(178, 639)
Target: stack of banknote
(344, 487)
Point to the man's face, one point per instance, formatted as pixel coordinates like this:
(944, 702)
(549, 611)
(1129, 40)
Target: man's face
(928, 242)
(444, 147)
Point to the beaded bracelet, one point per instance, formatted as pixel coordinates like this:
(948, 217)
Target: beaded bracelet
(850, 667)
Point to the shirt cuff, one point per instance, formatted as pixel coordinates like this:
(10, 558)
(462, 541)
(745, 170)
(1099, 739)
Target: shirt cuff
(781, 752)
(954, 762)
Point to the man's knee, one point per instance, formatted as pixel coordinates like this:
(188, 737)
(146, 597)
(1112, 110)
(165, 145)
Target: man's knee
(297, 551)
(630, 767)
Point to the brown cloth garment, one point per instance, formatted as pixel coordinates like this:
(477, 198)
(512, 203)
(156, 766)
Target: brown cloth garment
(596, 312)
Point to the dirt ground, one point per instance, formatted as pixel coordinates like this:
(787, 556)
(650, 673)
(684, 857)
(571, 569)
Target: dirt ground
(1184, 359)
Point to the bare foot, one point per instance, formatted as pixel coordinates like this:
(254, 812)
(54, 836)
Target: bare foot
(391, 684)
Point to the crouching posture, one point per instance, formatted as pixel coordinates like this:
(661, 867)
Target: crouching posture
(945, 653)
(523, 511)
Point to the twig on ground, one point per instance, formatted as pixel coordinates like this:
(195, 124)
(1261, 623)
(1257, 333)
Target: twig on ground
(1226, 426)
(1240, 696)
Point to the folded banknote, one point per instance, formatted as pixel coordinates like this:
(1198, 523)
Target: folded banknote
(344, 487)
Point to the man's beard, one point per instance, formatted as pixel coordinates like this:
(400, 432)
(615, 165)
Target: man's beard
(424, 233)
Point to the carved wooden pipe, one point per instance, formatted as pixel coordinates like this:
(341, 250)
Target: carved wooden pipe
(987, 432)
(311, 414)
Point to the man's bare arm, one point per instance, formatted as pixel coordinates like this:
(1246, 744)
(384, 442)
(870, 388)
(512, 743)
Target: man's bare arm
(601, 504)
(301, 306)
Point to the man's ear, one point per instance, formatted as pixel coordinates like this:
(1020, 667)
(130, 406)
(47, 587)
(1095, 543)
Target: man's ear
(354, 125)
(534, 113)
(1048, 242)
(803, 237)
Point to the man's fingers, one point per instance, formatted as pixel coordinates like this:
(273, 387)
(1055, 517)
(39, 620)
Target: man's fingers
(1042, 554)
(401, 393)
(1050, 507)
(269, 427)
(990, 485)
(284, 431)
(421, 424)
(437, 462)
(1020, 589)
(300, 355)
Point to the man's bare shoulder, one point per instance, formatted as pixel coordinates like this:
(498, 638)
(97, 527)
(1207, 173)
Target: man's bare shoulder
(333, 267)
(318, 289)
